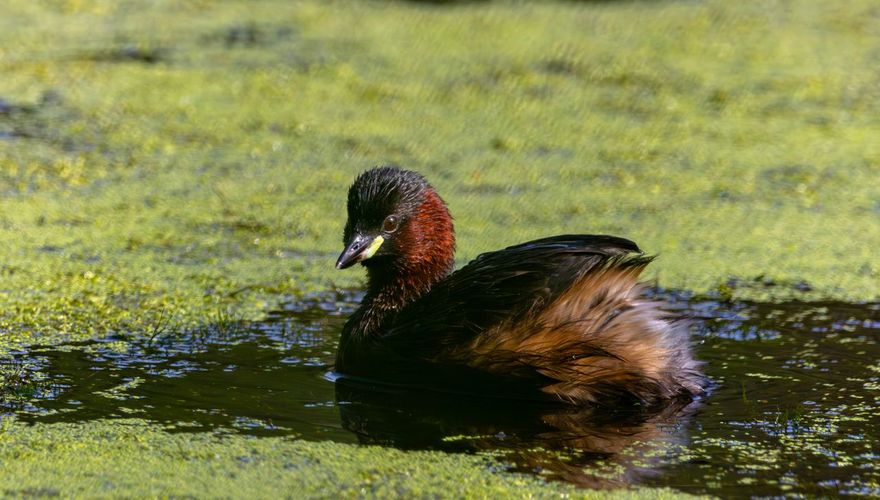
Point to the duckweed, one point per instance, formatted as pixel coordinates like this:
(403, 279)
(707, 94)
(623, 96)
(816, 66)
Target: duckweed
(170, 167)
(133, 458)
(163, 160)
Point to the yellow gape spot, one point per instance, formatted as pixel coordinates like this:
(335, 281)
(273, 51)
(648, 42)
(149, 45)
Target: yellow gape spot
(373, 248)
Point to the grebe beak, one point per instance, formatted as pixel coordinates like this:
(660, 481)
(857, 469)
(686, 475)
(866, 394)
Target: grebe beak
(360, 248)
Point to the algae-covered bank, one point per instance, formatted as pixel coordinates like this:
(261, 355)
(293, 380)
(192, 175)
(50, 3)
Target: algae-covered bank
(174, 171)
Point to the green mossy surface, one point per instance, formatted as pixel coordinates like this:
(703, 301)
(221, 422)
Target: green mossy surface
(165, 164)
(131, 458)
(162, 161)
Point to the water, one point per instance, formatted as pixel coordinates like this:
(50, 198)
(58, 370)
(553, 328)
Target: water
(796, 409)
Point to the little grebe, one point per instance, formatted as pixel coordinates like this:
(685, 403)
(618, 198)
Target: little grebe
(558, 318)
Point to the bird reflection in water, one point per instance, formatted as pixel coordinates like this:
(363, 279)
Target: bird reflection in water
(592, 447)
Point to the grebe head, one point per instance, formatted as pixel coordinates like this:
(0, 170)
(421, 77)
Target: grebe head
(396, 220)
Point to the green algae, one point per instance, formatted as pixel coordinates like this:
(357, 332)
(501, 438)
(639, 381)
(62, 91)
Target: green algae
(166, 165)
(162, 160)
(124, 458)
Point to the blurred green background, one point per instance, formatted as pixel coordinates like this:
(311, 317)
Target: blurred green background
(166, 161)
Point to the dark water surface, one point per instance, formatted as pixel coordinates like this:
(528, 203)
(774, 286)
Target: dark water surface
(796, 410)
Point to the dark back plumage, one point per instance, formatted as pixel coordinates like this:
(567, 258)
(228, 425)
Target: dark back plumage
(505, 286)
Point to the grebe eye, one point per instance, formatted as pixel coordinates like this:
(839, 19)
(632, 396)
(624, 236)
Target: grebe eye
(390, 224)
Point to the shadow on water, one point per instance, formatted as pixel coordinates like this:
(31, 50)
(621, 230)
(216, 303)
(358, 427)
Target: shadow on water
(556, 442)
(797, 409)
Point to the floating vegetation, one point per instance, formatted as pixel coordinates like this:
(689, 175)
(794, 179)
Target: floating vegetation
(734, 139)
